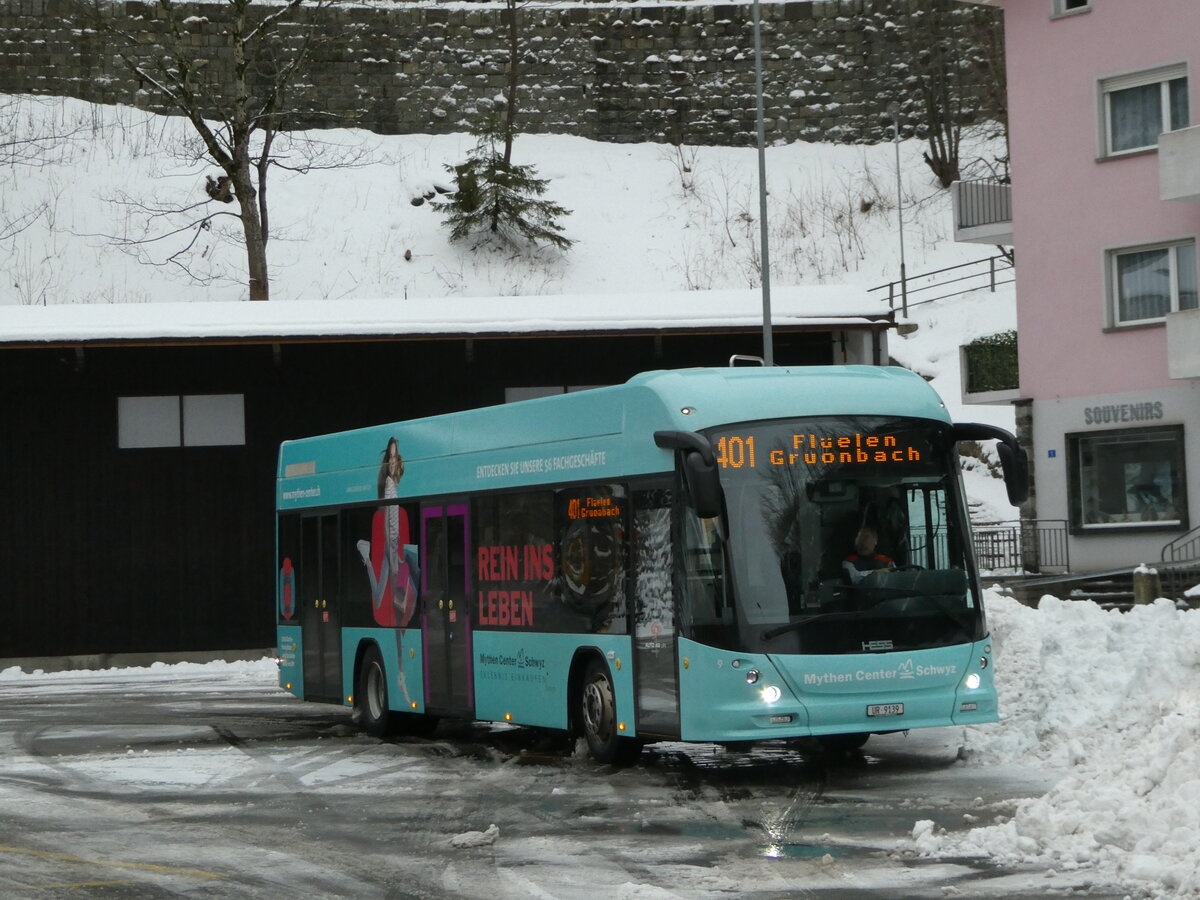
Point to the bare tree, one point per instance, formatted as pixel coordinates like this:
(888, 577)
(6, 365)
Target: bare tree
(232, 87)
(26, 141)
(956, 76)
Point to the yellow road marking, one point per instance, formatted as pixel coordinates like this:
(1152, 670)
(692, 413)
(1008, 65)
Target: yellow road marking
(145, 867)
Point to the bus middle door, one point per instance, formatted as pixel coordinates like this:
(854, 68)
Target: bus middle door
(446, 623)
(319, 611)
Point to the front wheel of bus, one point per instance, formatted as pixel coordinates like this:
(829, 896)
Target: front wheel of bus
(598, 719)
(372, 695)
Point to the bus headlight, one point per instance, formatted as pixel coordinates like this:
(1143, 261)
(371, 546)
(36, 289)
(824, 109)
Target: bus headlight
(972, 681)
(771, 694)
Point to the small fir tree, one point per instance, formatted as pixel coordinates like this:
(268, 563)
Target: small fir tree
(498, 196)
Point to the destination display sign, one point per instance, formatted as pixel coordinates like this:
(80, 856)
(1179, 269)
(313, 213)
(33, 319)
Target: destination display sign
(737, 451)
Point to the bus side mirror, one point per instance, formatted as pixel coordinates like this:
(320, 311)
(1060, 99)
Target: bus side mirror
(1015, 463)
(699, 469)
(1013, 459)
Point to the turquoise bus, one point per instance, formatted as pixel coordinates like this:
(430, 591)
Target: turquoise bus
(718, 555)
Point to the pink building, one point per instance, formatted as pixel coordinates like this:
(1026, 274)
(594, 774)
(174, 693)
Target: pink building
(1105, 214)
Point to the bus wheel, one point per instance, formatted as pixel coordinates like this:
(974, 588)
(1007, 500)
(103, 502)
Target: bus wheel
(598, 718)
(842, 743)
(371, 698)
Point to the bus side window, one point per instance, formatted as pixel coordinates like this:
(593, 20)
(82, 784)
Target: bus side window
(704, 599)
(652, 561)
(592, 534)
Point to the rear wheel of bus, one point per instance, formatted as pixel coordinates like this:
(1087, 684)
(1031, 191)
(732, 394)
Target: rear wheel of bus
(371, 702)
(598, 718)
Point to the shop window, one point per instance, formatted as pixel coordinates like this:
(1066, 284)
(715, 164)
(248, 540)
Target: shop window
(1129, 478)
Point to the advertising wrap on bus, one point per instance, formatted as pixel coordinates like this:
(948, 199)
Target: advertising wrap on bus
(713, 555)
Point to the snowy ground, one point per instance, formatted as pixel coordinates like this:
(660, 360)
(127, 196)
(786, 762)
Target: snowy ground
(1097, 746)
(109, 199)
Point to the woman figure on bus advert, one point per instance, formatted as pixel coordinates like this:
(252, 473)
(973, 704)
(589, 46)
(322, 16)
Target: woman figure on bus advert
(382, 554)
(864, 559)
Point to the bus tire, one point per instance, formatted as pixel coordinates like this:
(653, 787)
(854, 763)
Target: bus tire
(371, 696)
(842, 743)
(598, 718)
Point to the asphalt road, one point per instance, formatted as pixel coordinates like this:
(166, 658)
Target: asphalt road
(133, 785)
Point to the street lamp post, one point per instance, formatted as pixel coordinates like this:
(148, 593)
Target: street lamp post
(894, 110)
(768, 342)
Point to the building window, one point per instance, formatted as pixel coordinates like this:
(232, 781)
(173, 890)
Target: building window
(1140, 107)
(1149, 282)
(1132, 478)
(193, 420)
(1066, 7)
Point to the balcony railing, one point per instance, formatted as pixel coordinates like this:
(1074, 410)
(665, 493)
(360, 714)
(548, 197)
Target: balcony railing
(1183, 344)
(982, 211)
(1179, 164)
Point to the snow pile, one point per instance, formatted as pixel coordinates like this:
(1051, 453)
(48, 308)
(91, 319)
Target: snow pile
(472, 839)
(1113, 699)
(265, 668)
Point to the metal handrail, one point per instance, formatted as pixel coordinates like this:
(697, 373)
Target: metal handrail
(1171, 551)
(997, 265)
(1014, 543)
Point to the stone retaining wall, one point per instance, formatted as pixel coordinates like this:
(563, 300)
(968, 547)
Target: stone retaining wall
(680, 73)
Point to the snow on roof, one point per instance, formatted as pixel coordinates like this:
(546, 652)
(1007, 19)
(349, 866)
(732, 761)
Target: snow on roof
(801, 307)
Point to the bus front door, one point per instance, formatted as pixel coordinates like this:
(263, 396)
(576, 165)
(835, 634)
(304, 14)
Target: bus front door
(655, 628)
(446, 623)
(319, 616)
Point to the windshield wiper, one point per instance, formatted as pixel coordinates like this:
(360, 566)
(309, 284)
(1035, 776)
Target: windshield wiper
(796, 626)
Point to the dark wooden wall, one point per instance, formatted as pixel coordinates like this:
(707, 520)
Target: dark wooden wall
(104, 550)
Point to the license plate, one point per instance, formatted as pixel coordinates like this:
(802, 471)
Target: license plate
(885, 709)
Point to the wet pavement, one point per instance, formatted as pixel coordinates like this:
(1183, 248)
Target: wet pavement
(148, 786)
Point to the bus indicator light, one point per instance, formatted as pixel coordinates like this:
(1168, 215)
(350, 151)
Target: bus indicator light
(752, 676)
(288, 686)
(414, 704)
(350, 699)
(620, 726)
(508, 717)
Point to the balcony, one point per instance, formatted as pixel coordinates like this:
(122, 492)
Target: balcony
(982, 211)
(1179, 164)
(989, 369)
(1183, 344)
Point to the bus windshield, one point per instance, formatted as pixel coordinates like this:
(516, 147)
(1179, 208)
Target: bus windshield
(842, 535)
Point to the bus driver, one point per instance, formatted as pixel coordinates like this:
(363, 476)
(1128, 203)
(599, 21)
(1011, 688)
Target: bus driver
(864, 559)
